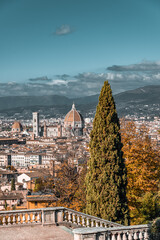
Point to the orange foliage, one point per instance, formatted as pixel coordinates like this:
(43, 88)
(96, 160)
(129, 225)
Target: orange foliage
(142, 159)
(68, 186)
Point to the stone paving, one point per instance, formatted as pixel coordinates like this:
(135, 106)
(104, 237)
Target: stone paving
(36, 233)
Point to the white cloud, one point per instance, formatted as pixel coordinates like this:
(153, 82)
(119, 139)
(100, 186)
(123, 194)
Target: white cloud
(63, 30)
(58, 82)
(142, 67)
(83, 84)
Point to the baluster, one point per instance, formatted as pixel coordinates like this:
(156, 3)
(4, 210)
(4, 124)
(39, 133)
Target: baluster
(38, 217)
(24, 219)
(74, 218)
(78, 220)
(28, 218)
(65, 216)
(14, 219)
(88, 222)
(124, 236)
(9, 219)
(130, 236)
(140, 235)
(105, 225)
(83, 221)
(92, 223)
(33, 218)
(135, 237)
(101, 224)
(146, 237)
(70, 217)
(113, 237)
(119, 236)
(19, 219)
(4, 220)
(108, 235)
(97, 224)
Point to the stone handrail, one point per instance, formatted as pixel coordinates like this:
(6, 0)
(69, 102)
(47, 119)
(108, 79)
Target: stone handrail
(42, 216)
(85, 220)
(87, 226)
(136, 232)
(55, 215)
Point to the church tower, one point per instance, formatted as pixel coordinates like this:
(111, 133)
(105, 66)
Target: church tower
(45, 130)
(36, 124)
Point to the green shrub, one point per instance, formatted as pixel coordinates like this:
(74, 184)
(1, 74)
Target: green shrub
(154, 232)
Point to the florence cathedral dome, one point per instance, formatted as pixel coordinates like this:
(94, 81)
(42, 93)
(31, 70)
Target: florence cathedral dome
(74, 121)
(17, 127)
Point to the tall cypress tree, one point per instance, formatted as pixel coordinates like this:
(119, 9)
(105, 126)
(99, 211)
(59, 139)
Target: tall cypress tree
(106, 178)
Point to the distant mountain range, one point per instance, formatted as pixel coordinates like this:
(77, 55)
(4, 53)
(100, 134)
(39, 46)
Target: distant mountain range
(145, 95)
(141, 101)
(144, 101)
(55, 100)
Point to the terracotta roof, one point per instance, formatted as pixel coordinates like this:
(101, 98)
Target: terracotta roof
(11, 196)
(37, 174)
(43, 197)
(17, 125)
(73, 115)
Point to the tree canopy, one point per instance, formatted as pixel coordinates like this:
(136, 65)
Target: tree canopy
(143, 171)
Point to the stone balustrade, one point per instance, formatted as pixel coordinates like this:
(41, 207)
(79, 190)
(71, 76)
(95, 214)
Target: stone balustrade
(84, 220)
(86, 227)
(42, 216)
(55, 215)
(136, 232)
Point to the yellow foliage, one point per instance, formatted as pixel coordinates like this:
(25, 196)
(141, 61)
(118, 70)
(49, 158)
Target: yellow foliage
(142, 159)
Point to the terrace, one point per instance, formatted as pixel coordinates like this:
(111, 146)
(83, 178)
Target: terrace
(61, 223)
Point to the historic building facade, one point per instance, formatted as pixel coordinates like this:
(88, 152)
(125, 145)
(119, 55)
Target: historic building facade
(73, 126)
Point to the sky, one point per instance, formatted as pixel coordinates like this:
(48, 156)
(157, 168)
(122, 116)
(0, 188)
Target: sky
(70, 47)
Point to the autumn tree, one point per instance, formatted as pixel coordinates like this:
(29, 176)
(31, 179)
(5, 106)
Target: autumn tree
(80, 194)
(143, 169)
(149, 207)
(66, 186)
(106, 178)
(11, 168)
(39, 185)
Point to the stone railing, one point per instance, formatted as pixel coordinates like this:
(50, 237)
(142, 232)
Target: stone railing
(42, 216)
(136, 232)
(84, 220)
(55, 215)
(86, 227)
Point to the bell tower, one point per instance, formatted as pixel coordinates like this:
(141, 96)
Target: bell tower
(36, 124)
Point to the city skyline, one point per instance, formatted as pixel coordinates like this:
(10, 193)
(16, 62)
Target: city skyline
(71, 48)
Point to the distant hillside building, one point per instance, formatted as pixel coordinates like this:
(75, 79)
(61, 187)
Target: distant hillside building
(53, 131)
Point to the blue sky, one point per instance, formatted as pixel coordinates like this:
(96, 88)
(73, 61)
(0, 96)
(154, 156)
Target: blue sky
(70, 46)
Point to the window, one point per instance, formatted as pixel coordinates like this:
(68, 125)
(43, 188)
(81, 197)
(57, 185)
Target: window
(35, 203)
